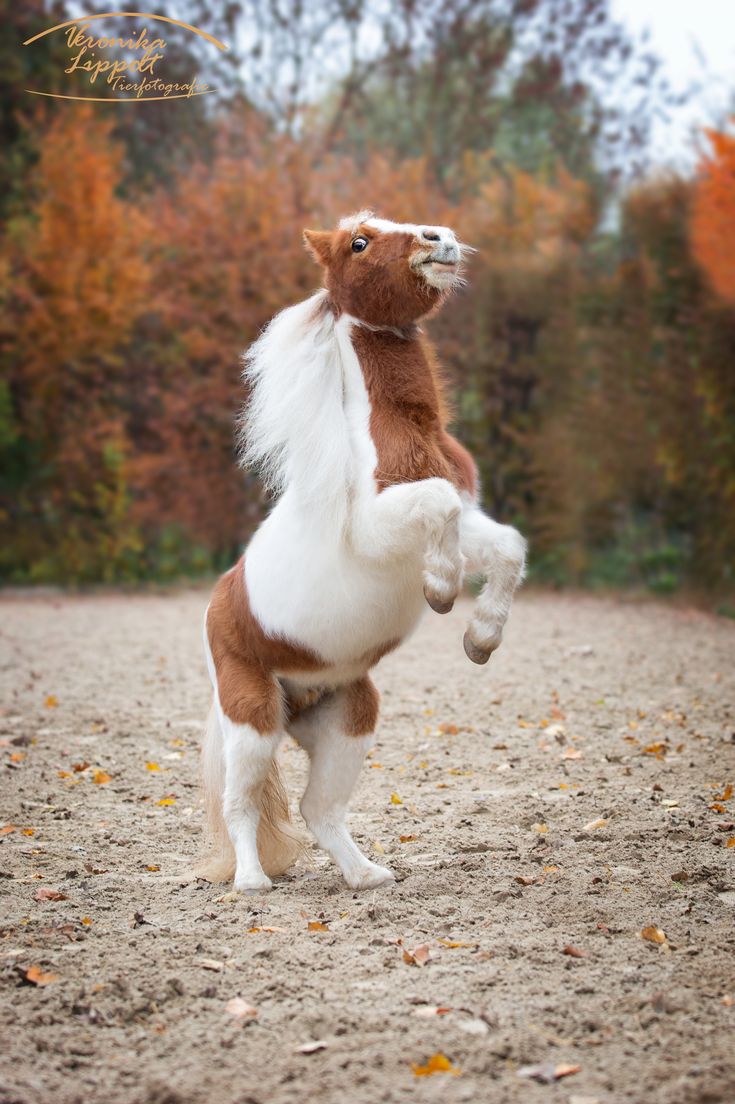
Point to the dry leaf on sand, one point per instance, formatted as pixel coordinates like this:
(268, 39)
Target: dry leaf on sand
(547, 1073)
(240, 1009)
(44, 894)
(312, 1047)
(438, 1063)
(653, 934)
(36, 976)
(419, 956)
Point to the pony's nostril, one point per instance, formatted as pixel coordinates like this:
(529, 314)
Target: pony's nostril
(430, 235)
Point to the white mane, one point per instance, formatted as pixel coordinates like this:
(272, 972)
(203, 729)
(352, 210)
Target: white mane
(293, 428)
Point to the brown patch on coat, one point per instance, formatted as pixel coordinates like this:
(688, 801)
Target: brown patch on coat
(362, 701)
(408, 411)
(245, 658)
(464, 469)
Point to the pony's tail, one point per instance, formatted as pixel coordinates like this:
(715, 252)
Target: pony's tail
(280, 843)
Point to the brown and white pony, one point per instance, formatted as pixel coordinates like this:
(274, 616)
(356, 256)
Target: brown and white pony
(376, 514)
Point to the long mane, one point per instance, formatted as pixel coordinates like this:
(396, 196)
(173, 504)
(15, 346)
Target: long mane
(293, 429)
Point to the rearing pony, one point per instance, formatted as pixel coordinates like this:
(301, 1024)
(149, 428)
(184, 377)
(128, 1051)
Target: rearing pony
(376, 514)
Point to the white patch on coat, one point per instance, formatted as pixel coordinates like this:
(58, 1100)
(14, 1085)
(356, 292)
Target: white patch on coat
(306, 580)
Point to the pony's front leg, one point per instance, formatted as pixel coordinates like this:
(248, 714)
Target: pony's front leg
(498, 552)
(421, 517)
(337, 734)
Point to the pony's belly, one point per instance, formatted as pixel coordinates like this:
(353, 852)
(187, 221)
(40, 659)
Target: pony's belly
(318, 595)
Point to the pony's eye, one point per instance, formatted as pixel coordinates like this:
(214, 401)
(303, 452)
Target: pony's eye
(359, 245)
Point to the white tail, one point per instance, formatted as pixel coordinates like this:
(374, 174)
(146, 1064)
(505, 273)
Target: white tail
(280, 843)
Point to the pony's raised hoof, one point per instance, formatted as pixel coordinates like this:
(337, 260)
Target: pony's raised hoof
(438, 604)
(477, 655)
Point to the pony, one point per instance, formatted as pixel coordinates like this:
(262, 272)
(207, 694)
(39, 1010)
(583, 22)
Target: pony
(376, 514)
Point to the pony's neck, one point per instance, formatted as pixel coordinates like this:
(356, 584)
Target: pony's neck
(400, 374)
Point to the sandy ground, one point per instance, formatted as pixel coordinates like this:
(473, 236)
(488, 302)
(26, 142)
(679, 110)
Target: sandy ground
(540, 813)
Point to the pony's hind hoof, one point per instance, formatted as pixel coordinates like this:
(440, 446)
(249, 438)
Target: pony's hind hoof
(477, 655)
(439, 605)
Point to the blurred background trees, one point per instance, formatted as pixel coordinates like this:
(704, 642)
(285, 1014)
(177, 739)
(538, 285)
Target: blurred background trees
(591, 357)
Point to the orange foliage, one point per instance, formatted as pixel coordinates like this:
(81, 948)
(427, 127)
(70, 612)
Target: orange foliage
(713, 215)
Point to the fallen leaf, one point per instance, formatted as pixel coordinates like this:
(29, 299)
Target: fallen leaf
(101, 778)
(407, 839)
(730, 842)
(653, 935)
(454, 943)
(548, 1072)
(240, 1009)
(78, 767)
(317, 925)
(51, 701)
(658, 749)
(252, 931)
(419, 956)
(593, 825)
(210, 964)
(167, 801)
(575, 952)
(571, 753)
(28, 831)
(522, 879)
(726, 793)
(378, 847)
(87, 921)
(438, 1063)
(64, 774)
(43, 894)
(36, 976)
(153, 867)
(312, 1047)
(542, 829)
(448, 729)
(395, 799)
(428, 1010)
(152, 767)
(6, 828)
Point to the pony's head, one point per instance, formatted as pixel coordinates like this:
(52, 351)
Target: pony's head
(386, 273)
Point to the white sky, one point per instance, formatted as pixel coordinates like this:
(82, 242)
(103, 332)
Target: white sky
(696, 41)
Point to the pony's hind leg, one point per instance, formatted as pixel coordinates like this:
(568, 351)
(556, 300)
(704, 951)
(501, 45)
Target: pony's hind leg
(337, 734)
(248, 758)
(249, 709)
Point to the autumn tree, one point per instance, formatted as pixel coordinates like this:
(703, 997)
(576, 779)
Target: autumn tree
(78, 283)
(713, 215)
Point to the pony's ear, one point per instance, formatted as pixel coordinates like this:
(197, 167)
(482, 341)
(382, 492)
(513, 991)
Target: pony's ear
(319, 244)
